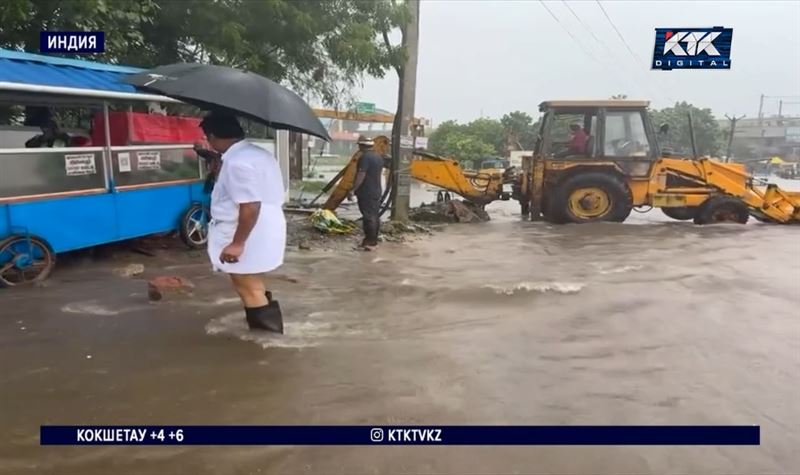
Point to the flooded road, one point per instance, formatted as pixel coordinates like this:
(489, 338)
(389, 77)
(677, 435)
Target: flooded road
(506, 322)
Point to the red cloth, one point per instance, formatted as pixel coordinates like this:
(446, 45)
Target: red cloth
(80, 141)
(577, 144)
(132, 128)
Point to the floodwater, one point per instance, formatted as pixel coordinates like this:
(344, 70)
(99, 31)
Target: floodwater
(507, 322)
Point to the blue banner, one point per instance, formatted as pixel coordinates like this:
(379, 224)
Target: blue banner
(72, 42)
(400, 435)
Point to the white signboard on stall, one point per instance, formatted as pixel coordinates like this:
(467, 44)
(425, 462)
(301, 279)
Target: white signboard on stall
(80, 164)
(148, 160)
(124, 159)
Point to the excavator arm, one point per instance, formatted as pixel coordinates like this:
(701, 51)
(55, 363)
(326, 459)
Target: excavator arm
(446, 173)
(710, 177)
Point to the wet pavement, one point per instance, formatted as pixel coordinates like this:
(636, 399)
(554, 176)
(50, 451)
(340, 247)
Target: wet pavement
(507, 322)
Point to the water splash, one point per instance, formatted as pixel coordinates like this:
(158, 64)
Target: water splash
(304, 334)
(92, 308)
(556, 287)
(620, 270)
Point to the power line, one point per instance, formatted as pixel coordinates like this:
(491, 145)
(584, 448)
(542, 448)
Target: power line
(644, 84)
(568, 32)
(598, 40)
(585, 25)
(635, 57)
(575, 39)
(630, 50)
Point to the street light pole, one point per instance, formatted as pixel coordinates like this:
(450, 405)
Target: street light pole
(733, 120)
(402, 165)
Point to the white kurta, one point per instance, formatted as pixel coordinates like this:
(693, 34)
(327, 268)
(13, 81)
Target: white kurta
(248, 174)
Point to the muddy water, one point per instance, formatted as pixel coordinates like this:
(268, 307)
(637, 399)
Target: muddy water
(507, 322)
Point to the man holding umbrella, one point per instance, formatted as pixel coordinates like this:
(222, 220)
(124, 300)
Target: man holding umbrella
(247, 233)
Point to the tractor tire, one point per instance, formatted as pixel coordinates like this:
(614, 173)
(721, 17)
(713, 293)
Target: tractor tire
(590, 197)
(683, 213)
(722, 209)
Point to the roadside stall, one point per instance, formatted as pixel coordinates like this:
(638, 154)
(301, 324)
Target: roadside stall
(131, 174)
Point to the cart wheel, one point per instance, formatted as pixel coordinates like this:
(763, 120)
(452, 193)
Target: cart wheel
(194, 226)
(25, 260)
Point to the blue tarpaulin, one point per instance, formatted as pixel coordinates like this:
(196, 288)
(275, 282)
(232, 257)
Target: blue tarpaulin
(37, 69)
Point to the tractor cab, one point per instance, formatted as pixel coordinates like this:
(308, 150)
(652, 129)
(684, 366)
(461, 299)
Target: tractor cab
(592, 161)
(591, 130)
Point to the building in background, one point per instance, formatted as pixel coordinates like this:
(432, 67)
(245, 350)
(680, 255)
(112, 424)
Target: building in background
(767, 137)
(344, 134)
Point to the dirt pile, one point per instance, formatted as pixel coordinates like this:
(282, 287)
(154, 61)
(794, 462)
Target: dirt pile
(301, 234)
(456, 211)
(395, 231)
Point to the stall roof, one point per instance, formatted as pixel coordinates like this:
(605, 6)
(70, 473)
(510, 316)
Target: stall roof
(35, 73)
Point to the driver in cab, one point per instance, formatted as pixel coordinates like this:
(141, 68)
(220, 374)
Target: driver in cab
(578, 142)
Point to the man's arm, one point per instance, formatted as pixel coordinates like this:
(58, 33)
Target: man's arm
(359, 181)
(245, 191)
(248, 216)
(363, 165)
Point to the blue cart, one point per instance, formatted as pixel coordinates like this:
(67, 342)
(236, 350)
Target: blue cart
(54, 200)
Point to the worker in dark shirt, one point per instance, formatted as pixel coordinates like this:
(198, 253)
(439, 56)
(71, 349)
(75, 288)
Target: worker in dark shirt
(367, 188)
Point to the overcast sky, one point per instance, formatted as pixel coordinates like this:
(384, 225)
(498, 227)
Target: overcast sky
(492, 56)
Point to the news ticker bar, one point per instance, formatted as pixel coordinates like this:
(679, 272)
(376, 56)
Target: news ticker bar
(400, 435)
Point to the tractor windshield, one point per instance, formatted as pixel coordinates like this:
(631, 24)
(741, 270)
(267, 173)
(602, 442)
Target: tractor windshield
(625, 135)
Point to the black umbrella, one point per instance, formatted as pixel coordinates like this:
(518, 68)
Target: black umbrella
(217, 87)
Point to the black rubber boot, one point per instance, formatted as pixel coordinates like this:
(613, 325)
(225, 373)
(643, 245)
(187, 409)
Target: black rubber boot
(267, 317)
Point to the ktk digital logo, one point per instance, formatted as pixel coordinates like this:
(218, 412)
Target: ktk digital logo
(693, 48)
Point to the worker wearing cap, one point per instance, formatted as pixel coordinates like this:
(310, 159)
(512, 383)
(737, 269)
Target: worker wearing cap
(247, 233)
(367, 188)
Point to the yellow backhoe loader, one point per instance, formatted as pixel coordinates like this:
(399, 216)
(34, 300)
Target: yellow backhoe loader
(621, 166)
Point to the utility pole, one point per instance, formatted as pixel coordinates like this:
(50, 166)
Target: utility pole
(402, 161)
(760, 110)
(733, 120)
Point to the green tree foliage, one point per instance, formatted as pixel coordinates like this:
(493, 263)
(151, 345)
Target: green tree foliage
(122, 20)
(520, 130)
(707, 133)
(488, 131)
(484, 137)
(465, 148)
(467, 142)
(321, 48)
